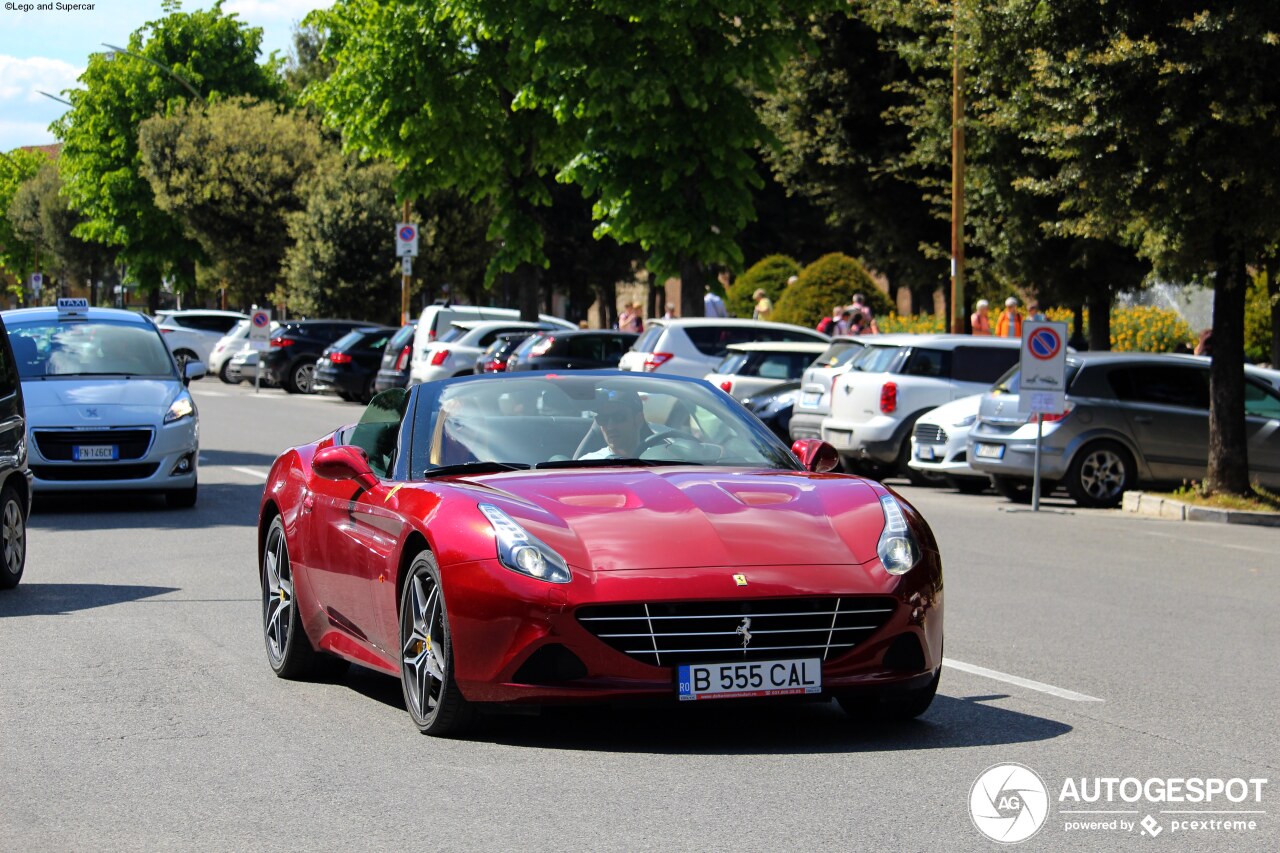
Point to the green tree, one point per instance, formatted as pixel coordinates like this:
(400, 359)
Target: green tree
(41, 215)
(768, 274)
(831, 280)
(1161, 120)
(101, 165)
(231, 173)
(17, 255)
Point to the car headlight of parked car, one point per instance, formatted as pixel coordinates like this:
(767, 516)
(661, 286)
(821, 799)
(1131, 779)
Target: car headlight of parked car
(181, 407)
(897, 549)
(521, 551)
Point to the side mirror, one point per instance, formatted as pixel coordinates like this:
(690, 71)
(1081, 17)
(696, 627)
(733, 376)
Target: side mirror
(816, 455)
(344, 462)
(193, 370)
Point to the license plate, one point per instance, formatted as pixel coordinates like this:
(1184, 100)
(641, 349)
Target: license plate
(755, 678)
(95, 452)
(990, 451)
(925, 453)
(810, 399)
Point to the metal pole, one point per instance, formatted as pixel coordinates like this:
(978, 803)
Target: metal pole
(957, 177)
(1035, 482)
(166, 69)
(404, 279)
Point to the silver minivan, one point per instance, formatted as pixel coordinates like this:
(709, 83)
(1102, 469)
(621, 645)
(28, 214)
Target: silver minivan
(1131, 418)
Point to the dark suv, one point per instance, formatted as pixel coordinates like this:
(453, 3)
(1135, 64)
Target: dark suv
(585, 349)
(350, 366)
(295, 347)
(394, 370)
(15, 476)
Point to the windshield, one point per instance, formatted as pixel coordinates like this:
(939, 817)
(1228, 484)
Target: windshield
(584, 421)
(88, 348)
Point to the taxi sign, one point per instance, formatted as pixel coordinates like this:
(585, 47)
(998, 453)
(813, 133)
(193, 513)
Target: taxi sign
(68, 308)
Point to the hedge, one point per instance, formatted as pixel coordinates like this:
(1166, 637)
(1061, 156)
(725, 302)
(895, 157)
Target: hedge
(831, 280)
(770, 274)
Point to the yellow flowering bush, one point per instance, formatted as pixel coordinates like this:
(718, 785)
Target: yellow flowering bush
(1138, 329)
(916, 324)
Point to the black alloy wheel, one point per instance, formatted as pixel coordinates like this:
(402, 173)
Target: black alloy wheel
(13, 525)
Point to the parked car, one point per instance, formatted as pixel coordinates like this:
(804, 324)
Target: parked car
(192, 334)
(436, 320)
(243, 367)
(107, 406)
(749, 368)
(814, 403)
(694, 346)
(580, 349)
(454, 353)
(230, 344)
(774, 407)
(895, 380)
(290, 359)
(494, 359)
(940, 444)
(593, 536)
(394, 369)
(349, 366)
(15, 474)
(1130, 419)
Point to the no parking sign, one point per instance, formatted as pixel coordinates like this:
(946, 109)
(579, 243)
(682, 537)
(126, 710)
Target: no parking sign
(1042, 379)
(406, 240)
(260, 325)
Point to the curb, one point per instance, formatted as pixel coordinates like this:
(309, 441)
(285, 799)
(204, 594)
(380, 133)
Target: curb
(1155, 506)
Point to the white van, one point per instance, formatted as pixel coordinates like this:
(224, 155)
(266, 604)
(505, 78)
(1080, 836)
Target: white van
(435, 320)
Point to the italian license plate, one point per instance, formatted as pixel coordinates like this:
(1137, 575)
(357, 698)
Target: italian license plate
(925, 453)
(753, 678)
(990, 451)
(95, 452)
(810, 399)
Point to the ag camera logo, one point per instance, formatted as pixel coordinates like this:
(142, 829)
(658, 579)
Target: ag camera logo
(1008, 803)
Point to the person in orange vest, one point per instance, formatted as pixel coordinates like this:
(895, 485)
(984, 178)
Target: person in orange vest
(1009, 323)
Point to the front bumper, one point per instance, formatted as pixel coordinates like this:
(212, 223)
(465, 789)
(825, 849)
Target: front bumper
(951, 458)
(158, 469)
(501, 620)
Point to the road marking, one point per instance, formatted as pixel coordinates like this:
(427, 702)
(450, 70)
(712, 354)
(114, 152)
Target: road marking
(252, 472)
(200, 393)
(1208, 542)
(1060, 692)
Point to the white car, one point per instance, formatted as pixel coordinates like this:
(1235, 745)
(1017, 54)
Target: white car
(813, 403)
(107, 405)
(751, 368)
(454, 352)
(694, 346)
(895, 380)
(435, 321)
(940, 444)
(232, 342)
(192, 335)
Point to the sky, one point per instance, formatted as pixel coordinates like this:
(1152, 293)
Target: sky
(47, 49)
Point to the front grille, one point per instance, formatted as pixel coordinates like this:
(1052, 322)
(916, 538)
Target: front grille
(86, 471)
(930, 434)
(673, 633)
(55, 445)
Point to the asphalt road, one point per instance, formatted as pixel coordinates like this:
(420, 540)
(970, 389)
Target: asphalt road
(138, 711)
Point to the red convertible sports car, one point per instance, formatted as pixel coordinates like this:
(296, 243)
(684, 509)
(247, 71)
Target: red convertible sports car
(597, 536)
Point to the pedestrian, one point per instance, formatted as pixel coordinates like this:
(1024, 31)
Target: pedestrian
(1034, 313)
(858, 324)
(764, 306)
(835, 324)
(625, 317)
(637, 319)
(1204, 346)
(1009, 323)
(860, 306)
(980, 320)
(713, 305)
(671, 311)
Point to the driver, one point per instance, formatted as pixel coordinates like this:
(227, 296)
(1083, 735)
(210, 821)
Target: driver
(620, 416)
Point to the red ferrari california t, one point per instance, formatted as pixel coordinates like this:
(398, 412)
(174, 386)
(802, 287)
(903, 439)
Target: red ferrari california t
(594, 536)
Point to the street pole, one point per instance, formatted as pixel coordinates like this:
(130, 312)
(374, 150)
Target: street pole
(404, 278)
(166, 69)
(957, 177)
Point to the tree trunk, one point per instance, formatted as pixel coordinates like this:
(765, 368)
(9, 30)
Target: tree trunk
(692, 278)
(1100, 320)
(1228, 453)
(528, 283)
(607, 296)
(1078, 339)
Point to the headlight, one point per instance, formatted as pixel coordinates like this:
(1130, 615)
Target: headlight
(897, 548)
(967, 422)
(182, 406)
(521, 551)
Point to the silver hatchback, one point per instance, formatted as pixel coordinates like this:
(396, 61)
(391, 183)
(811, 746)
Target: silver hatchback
(1131, 418)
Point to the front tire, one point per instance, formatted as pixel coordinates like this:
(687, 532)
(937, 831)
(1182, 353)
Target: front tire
(301, 378)
(1099, 475)
(13, 524)
(289, 651)
(426, 654)
(225, 376)
(182, 356)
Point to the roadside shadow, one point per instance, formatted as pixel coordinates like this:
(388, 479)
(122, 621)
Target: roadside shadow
(237, 457)
(220, 504)
(60, 599)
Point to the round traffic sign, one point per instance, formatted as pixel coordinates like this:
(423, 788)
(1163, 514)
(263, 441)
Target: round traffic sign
(261, 318)
(1044, 344)
(408, 233)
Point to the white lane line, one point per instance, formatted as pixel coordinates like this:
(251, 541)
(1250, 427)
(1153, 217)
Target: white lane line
(1208, 542)
(252, 472)
(200, 393)
(995, 675)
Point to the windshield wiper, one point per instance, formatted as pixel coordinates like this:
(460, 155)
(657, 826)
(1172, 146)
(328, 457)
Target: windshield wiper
(616, 462)
(475, 468)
